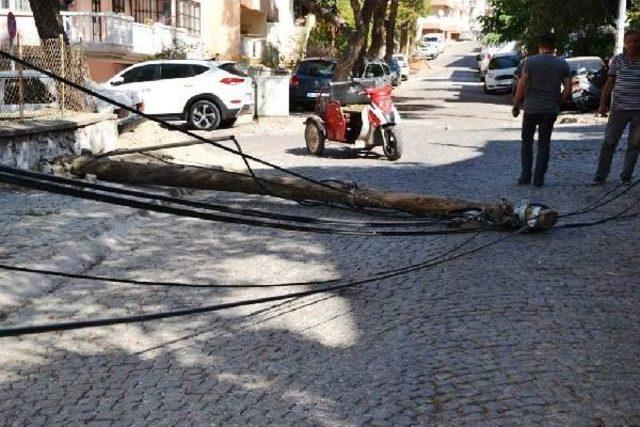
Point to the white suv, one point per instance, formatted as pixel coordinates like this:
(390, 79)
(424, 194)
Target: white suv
(207, 94)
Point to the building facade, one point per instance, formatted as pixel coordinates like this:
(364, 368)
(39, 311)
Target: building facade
(117, 33)
(449, 17)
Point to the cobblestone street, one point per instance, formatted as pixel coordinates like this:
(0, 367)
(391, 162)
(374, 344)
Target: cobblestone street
(542, 328)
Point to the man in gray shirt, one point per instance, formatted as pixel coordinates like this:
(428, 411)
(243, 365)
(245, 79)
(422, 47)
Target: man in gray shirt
(540, 89)
(624, 84)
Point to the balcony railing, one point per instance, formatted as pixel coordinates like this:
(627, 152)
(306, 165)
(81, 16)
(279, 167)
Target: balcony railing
(107, 29)
(109, 32)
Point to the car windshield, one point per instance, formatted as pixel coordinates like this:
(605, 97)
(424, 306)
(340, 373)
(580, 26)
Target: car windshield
(317, 68)
(504, 62)
(430, 39)
(583, 66)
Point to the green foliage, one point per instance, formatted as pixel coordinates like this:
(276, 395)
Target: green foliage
(576, 23)
(177, 50)
(634, 17)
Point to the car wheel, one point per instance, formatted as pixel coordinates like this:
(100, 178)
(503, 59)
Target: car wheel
(487, 90)
(204, 115)
(314, 138)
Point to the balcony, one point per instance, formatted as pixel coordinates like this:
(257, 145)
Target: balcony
(451, 4)
(442, 23)
(108, 33)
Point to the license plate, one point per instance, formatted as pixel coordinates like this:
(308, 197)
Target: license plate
(312, 95)
(505, 82)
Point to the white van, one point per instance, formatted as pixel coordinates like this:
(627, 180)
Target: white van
(436, 39)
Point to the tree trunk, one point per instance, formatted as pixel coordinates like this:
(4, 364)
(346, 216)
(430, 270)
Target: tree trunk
(367, 14)
(357, 41)
(391, 30)
(377, 35)
(404, 38)
(46, 14)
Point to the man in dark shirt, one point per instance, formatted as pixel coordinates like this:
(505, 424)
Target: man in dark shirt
(540, 89)
(621, 99)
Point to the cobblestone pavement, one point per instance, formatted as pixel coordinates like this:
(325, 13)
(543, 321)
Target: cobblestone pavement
(540, 329)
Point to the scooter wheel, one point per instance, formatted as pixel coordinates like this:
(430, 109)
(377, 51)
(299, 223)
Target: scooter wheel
(314, 138)
(392, 145)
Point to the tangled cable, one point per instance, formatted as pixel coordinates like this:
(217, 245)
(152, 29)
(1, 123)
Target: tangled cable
(74, 325)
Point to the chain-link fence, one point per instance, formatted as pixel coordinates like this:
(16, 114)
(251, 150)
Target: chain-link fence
(27, 93)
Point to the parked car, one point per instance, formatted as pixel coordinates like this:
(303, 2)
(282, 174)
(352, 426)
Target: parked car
(40, 92)
(313, 75)
(404, 65)
(126, 120)
(488, 52)
(396, 72)
(500, 73)
(206, 94)
(437, 39)
(428, 51)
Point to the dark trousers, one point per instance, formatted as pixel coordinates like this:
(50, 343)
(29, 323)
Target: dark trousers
(618, 122)
(544, 123)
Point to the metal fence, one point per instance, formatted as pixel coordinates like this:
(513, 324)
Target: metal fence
(27, 93)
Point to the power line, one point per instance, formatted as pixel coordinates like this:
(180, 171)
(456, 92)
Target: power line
(47, 272)
(75, 325)
(44, 185)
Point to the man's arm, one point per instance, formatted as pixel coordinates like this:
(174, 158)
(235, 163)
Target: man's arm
(521, 90)
(605, 99)
(523, 84)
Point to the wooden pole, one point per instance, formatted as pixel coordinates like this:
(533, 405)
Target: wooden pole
(284, 187)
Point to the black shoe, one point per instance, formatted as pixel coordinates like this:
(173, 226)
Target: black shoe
(524, 181)
(538, 182)
(599, 180)
(625, 180)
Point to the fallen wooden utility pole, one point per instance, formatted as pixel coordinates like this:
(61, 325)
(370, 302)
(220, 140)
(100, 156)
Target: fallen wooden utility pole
(292, 188)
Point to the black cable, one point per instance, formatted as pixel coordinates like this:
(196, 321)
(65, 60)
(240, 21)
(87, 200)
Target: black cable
(74, 325)
(172, 126)
(589, 209)
(209, 286)
(211, 206)
(619, 215)
(121, 201)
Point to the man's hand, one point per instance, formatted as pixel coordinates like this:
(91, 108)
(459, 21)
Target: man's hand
(515, 111)
(603, 110)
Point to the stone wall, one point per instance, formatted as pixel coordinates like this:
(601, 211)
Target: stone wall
(33, 145)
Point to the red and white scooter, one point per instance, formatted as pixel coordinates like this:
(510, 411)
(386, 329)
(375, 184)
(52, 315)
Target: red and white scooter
(351, 113)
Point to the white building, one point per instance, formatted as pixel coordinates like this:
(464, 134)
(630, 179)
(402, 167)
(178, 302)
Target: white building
(449, 17)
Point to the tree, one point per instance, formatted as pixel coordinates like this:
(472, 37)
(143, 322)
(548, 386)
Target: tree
(407, 18)
(356, 34)
(46, 14)
(578, 24)
(390, 28)
(378, 30)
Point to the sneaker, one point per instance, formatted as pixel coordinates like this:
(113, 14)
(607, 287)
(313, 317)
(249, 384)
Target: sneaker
(538, 182)
(524, 181)
(625, 180)
(599, 180)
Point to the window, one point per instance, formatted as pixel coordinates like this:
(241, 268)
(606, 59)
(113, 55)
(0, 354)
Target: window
(149, 10)
(504, 62)
(180, 71)
(189, 15)
(145, 73)
(16, 5)
(374, 70)
(317, 68)
(35, 92)
(232, 68)
(117, 5)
